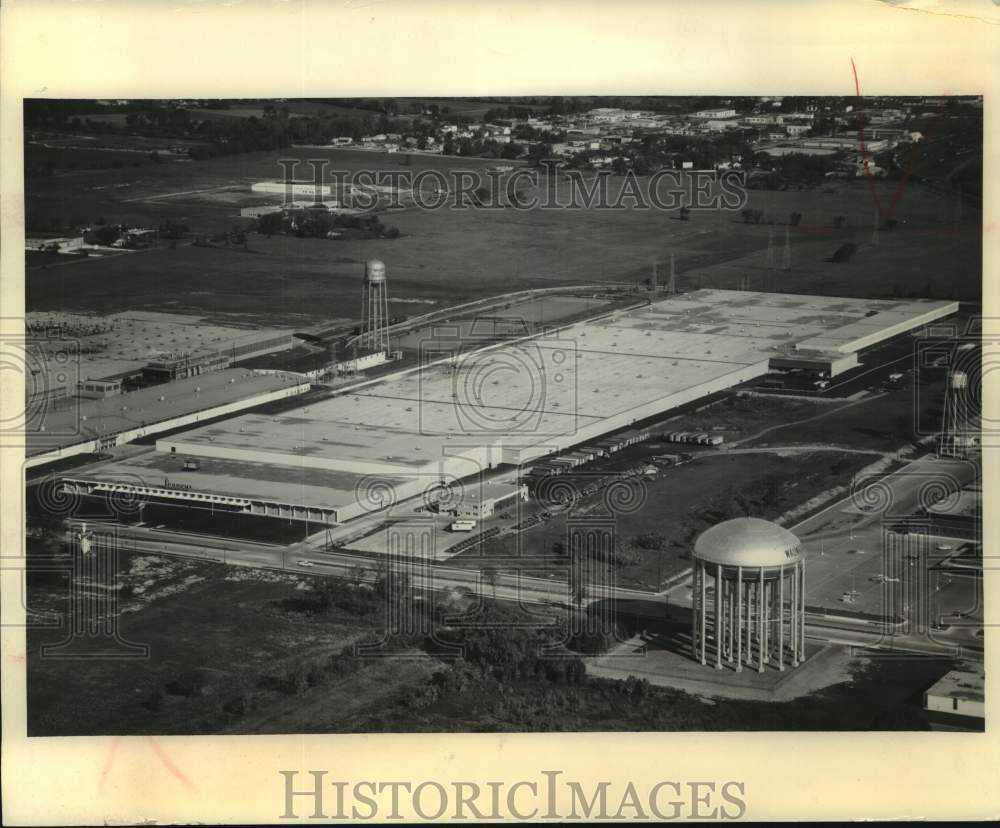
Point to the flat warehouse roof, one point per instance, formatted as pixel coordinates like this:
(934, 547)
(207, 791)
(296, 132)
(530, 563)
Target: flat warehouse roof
(72, 421)
(133, 338)
(319, 488)
(610, 371)
(349, 428)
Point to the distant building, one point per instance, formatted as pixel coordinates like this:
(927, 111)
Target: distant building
(98, 389)
(606, 114)
(361, 363)
(295, 188)
(259, 210)
(715, 113)
(484, 502)
(54, 245)
(720, 124)
(173, 367)
(957, 701)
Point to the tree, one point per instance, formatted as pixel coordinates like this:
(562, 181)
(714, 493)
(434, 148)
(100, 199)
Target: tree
(512, 150)
(107, 235)
(491, 575)
(684, 214)
(794, 219)
(578, 580)
(326, 590)
(357, 575)
(271, 223)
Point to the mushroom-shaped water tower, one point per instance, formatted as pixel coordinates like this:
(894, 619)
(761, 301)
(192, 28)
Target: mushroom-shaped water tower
(748, 598)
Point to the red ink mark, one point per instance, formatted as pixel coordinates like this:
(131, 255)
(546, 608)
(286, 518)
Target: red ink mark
(904, 178)
(170, 766)
(17, 657)
(161, 755)
(108, 762)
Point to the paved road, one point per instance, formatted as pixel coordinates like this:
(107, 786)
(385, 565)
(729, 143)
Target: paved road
(832, 527)
(423, 576)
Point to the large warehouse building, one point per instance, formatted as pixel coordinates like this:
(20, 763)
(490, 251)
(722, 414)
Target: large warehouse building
(87, 426)
(463, 412)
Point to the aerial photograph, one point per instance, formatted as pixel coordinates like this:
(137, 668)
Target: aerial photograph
(503, 414)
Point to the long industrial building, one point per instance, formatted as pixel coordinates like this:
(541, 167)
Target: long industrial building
(80, 426)
(464, 412)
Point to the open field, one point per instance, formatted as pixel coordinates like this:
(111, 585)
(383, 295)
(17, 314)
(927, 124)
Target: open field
(175, 188)
(245, 651)
(453, 255)
(215, 636)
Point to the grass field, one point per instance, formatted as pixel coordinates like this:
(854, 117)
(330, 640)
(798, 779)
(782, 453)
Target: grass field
(243, 651)
(214, 635)
(456, 255)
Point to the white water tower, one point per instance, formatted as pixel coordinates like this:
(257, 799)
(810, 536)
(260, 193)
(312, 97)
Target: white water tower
(375, 308)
